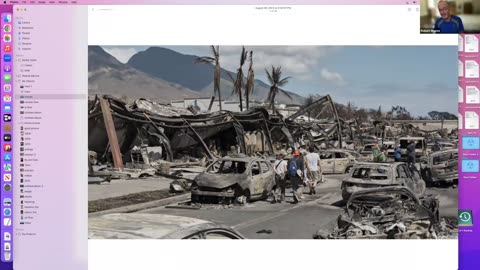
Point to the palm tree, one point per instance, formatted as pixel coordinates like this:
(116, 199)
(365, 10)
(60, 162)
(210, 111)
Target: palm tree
(238, 83)
(276, 81)
(215, 60)
(250, 81)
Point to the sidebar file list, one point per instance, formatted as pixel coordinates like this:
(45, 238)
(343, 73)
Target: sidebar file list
(6, 82)
(51, 82)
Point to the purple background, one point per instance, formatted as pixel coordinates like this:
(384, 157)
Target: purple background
(3, 265)
(469, 189)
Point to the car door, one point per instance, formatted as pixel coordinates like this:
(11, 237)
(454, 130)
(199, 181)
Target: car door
(404, 178)
(327, 162)
(419, 185)
(256, 185)
(340, 163)
(267, 176)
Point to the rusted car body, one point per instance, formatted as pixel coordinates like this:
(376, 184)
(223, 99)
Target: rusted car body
(440, 167)
(386, 213)
(369, 175)
(231, 179)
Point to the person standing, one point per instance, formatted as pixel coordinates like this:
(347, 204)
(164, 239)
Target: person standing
(314, 171)
(375, 152)
(295, 174)
(280, 169)
(411, 153)
(398, 154)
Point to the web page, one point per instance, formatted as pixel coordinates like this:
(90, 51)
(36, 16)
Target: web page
(329, 132)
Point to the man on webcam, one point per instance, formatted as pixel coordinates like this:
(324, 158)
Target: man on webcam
(447, 23)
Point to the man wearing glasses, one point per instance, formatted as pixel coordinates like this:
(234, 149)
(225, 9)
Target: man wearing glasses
(447, 24)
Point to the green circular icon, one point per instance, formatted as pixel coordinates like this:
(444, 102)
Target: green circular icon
(465, 217)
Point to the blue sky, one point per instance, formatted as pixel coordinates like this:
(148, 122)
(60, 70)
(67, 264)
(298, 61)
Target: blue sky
(420, 78)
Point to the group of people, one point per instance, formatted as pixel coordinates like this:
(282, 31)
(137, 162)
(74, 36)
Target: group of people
(302, 169)
(380, 154)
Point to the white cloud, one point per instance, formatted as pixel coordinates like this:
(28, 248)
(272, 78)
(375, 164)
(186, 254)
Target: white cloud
(333, 77)
(298, 62)
(122, 54)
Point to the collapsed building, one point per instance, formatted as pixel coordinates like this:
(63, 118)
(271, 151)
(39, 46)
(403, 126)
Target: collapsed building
(119, 131)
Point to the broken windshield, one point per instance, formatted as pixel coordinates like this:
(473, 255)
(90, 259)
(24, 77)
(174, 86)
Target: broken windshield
(227, 167)
(374, 173)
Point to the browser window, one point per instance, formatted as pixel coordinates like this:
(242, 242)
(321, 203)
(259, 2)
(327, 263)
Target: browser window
(128, 129)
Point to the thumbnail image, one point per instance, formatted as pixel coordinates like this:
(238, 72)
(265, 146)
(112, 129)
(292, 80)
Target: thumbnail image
(273, 142)
(449, 17)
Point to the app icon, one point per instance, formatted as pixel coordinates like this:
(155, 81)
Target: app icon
(465, 218)
(7, 77)
(7, 98)
(7, 187)
(7, 38)
(7, 28)
(7, 68)
(7, 177)
(7, 18)
(7, 147)
(7, 137)
(7, 236)
(7, 212)
(7, 128)
(7, 246)
(7, 202)
(7, 222)
(7, 88)
(7, 167)
(7, 108)
(7, 57)
(7, 117)
(7, 157)
(7, 48)
(7, 255)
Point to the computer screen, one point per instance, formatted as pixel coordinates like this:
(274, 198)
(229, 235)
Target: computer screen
(329, 131)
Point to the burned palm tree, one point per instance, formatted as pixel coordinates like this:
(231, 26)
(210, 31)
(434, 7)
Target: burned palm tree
(215, 60)
(250, 81)
(276, 81)
(238, 82)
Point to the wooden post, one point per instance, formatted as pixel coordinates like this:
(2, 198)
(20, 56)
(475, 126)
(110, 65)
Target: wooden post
(112, 134)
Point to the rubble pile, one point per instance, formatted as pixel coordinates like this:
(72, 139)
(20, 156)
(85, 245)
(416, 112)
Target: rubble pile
(389, 213)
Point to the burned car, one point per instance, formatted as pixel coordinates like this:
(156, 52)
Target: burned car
(440, 167)
(338, 160)
(234, 179)
(369, 175)
(156, 226)
(386, 213)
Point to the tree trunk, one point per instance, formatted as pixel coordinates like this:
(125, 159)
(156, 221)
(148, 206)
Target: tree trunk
(247, 99)
(240, 98)
(219, 100)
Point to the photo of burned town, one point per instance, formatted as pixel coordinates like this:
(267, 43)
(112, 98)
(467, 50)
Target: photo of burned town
(272, 142)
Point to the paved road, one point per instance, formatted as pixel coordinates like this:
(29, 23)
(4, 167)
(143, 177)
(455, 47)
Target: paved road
(290, 221)
(124, 187)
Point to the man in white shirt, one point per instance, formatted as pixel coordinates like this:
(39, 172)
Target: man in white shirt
(280, 169)
(314, 171)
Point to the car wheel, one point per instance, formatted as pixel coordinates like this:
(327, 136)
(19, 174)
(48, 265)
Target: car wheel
(243, 197)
